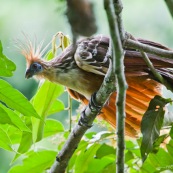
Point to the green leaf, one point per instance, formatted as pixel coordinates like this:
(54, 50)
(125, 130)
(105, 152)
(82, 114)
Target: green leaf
(13, 133)
(161, 159)
(157, 142)
(171, 132)
(7, 116)
(52, 127)
(66, 41)
(57, 106)
(15, 100)
(84, 158)
(128, 156)
(151, 124)
(6, 66)
(26, 139)
(169, 147)
(36, 162)
(43, 102)
(5, 141)
(101, 135)
(98, 165)
(49, 55)
(110, 168)
(105, 150)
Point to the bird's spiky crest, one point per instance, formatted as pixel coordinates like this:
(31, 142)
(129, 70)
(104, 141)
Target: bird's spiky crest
(32, 51)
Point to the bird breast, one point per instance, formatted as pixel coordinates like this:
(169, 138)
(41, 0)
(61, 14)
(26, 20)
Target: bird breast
(83, 82)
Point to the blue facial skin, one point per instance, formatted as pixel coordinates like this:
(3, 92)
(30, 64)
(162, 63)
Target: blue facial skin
(33, 69)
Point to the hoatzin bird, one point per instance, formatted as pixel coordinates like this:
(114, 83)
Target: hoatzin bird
(82, 67)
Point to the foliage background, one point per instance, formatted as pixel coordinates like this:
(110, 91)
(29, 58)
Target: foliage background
(145, 19)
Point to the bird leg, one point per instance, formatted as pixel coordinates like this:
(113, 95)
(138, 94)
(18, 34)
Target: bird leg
(94, 107)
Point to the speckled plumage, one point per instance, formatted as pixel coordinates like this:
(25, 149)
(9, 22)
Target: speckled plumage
(81, 68)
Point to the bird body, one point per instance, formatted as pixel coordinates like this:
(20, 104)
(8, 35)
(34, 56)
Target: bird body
(82, 67)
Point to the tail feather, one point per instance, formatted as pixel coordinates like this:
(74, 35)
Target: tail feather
(140, 92)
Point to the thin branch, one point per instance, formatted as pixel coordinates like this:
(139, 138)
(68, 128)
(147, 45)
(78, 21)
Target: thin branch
(121, 82)
(156, 74)
(118, 6)
(169, 4)
(129, 43)
(70, 111)
(85, 122)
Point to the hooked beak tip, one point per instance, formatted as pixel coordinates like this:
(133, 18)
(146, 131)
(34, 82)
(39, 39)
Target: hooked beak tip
(28, 74)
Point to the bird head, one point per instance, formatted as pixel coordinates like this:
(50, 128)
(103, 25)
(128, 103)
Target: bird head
(35, 68)
(33, 54)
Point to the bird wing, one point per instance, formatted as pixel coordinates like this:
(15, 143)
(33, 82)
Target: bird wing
(91, 56)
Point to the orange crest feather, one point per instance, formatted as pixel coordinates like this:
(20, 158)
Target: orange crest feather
(31, 51)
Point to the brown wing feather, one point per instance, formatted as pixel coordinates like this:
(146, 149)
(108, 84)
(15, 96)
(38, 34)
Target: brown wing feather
(142, 87)
(136, 103)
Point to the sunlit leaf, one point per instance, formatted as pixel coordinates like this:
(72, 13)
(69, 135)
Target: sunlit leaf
(52, 127)
(43, 102)
(128, 156)
(105, 150)
(49, 55)
(165, 159)
(110, 168)
(85, 157)
(101, 135)
(15, 100)
(151, 124)
(98, 165)
(57, 106)
(66, 41)
(7, 67)
(26, 140)
(7, 116)
(36, 162)
(5, 141)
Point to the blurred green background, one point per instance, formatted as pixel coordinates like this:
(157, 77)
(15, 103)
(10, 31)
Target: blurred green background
(43, 18)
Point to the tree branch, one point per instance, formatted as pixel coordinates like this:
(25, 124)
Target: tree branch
(85, 122)
(129, 43)
(118, 7)
(169, 4)
(117, 33)
(156, 74)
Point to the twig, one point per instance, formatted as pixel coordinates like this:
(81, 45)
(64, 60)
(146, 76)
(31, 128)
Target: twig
(169, 4)
(118, 6)
(121, 82)
(70, 111)
(156, 74)
(129, 43)
(85, 122)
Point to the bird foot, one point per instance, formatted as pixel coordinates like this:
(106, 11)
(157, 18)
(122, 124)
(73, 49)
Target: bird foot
(94, 107)
(84, 120)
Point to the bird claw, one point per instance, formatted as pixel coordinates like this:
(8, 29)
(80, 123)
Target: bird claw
(94, 107)
(83, 120)
(93, 103)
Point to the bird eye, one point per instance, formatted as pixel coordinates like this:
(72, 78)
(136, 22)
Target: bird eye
(36, 67)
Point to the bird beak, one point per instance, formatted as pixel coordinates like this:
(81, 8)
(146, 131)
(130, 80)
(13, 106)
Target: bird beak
(29, 73)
